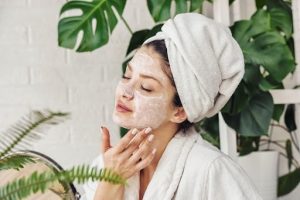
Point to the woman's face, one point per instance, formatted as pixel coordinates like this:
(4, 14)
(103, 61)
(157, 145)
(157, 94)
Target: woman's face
(144, 96)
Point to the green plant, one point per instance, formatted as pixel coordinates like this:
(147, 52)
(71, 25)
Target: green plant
(268, 47)
(21, 135)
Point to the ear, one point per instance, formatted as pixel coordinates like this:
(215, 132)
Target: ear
(179, 115)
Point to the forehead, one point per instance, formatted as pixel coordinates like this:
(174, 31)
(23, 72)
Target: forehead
(145, 57)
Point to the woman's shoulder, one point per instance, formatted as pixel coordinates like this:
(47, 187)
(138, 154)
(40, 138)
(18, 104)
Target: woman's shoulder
(204, 152)
(219, 170)
(205, 157)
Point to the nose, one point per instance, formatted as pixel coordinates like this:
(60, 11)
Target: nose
(128, 93)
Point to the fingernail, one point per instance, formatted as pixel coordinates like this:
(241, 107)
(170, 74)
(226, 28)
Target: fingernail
(148, 130)
(153, 151)
(151, 137)
(102, 129)
(134, 131)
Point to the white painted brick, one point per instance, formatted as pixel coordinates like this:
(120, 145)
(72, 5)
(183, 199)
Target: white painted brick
(13, 3)
(85, 133)
(83, 95)
(9, 115)
(47, 75)
(68, 154)
(50, 4)
(40, 36)
(76, 75)
(57, 134)
(14, 35)
(13, 75)
(50, 95)
(29, 16)
(32, 55)
(87, 115)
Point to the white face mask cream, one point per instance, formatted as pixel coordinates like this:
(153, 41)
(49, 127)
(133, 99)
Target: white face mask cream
(148, 110)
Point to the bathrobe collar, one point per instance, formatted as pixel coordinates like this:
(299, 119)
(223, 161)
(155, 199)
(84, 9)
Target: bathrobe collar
(169, 170)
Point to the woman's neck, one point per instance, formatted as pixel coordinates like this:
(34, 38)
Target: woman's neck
(162, 137)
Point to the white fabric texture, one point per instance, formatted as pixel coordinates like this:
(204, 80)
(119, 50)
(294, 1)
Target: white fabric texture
(190, 168)
(206, 62)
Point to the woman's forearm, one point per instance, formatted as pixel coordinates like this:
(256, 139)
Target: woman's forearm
(109, 191)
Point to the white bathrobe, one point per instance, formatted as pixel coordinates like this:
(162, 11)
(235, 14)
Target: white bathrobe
(189, 169)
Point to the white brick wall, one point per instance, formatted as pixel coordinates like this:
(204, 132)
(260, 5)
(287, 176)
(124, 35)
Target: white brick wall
(35, 73)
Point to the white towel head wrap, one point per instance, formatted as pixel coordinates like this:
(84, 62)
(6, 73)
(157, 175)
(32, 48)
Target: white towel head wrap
(206, 62)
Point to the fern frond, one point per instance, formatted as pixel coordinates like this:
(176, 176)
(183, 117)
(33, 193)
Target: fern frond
(28, 129)
(36, 182)
(15, 162)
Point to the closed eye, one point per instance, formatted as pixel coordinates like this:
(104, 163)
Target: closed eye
(147, 90)
(124, 77)
(127, 78)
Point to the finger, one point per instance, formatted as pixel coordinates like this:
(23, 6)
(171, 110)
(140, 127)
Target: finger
(126, 139)
(136, 141)
(144, 163)
(143, 151)
(105, 140)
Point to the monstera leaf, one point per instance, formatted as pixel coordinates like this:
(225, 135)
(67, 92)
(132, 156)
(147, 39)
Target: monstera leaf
(254, 120)
(137, 40)
(263, 46)
(281, 16)
(161, 9)
(139, 37)
(95, 34)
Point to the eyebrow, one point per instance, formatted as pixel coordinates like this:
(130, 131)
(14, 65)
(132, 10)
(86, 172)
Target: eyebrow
(144, 75)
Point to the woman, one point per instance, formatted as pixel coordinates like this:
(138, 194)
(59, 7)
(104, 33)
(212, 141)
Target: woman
(184, 73)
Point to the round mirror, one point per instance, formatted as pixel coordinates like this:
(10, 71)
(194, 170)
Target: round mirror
(41, 163)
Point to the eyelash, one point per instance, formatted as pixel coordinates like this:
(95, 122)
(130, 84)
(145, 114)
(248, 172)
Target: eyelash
(127, 78)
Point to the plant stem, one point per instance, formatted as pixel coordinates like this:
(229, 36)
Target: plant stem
(126, 24)
(294, 162)
(279, 145)
(280, 126)
(274, 142)
(293, 139)
(271, 132)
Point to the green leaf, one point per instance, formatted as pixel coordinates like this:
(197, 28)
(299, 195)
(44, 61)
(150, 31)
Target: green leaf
(28, 129)
(181, 6)
(289, 118)
(209, 129)
(15, 162)
(93, 37)
(269, 83)
(247, 145)
(40, 181)
(277, 112)
(255, 119)
(281, 16)
(252, 77)
(196, 4)
(262, 46)
(238, 101)
(288, 182)
(123, 131)
(289, 153)
(139, 37)
(260, 3)
(161, 9)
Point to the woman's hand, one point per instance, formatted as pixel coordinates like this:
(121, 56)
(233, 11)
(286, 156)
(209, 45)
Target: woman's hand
(133, 153)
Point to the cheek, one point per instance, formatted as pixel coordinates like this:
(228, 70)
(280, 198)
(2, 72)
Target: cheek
(150, 111)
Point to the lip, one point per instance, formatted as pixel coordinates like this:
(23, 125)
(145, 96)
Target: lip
(120, 107)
